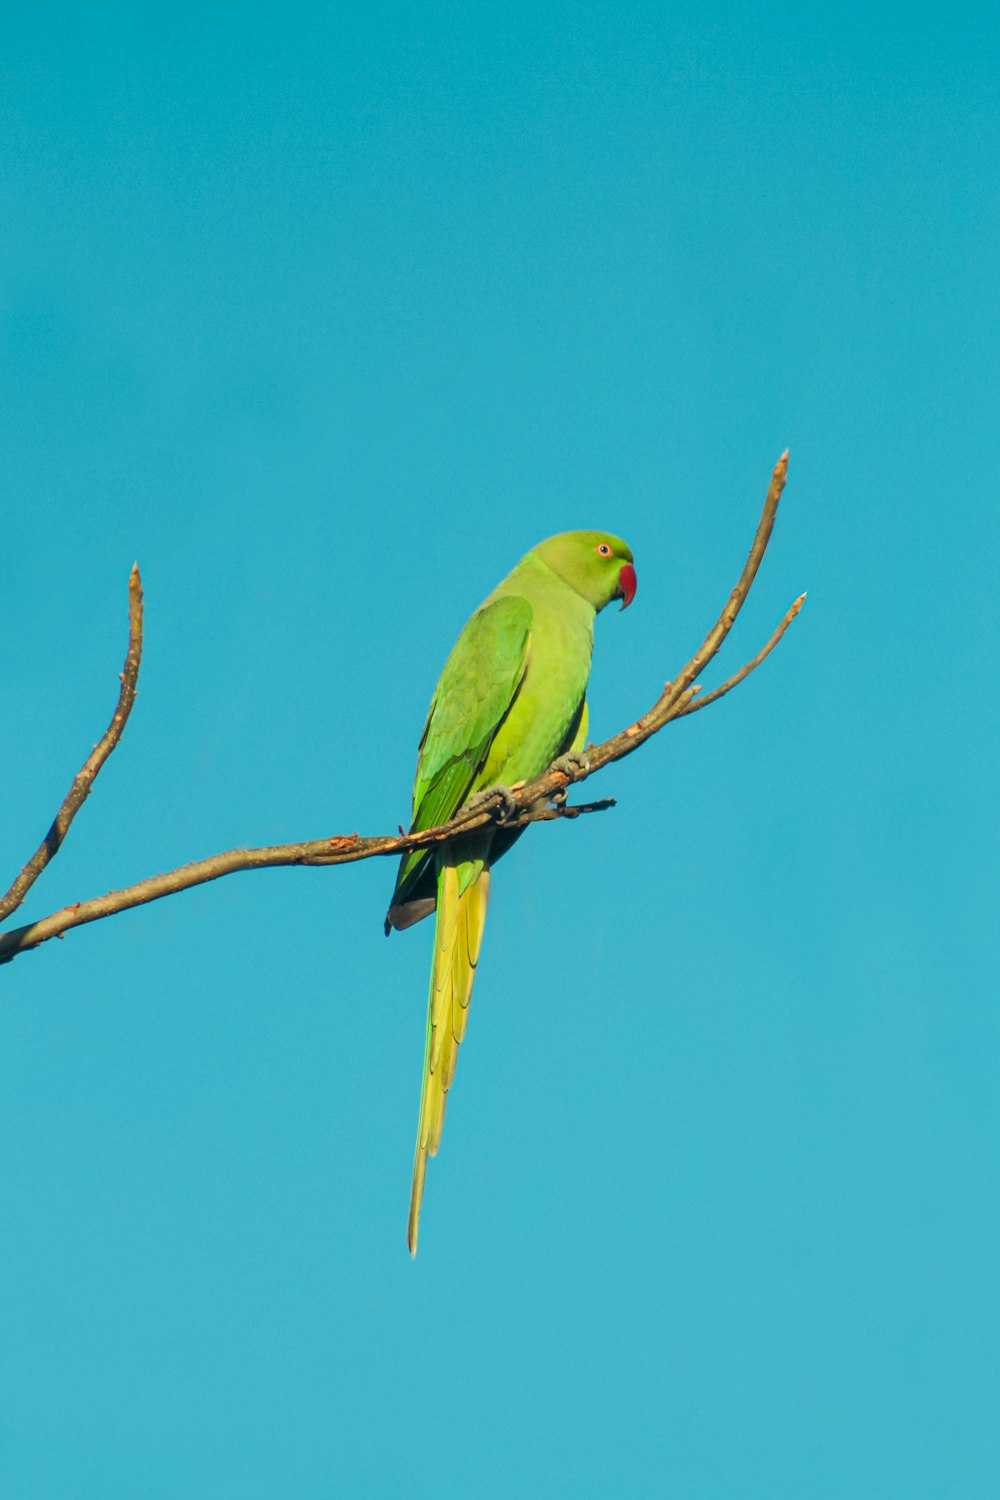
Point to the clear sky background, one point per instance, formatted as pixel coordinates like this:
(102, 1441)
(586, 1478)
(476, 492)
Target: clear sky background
(326, 316)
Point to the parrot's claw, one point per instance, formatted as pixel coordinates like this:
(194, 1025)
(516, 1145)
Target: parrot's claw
(508, 809)
(570, 764)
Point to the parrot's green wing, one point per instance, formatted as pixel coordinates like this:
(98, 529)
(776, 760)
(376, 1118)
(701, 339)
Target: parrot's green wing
(477, 687)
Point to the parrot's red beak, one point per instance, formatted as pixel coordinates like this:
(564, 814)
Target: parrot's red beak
(627, 585)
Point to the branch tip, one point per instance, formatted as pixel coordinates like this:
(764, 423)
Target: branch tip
(84, 780)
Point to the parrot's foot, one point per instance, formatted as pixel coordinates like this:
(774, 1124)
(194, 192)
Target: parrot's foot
(508, 809)
(570, 764)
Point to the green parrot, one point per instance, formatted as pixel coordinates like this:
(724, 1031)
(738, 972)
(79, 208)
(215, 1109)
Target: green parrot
(510, 701)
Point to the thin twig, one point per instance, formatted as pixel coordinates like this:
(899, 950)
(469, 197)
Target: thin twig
(84, 780)
(532, 800)
(755, 662)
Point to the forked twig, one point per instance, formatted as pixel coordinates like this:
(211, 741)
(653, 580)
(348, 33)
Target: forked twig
(751, 665)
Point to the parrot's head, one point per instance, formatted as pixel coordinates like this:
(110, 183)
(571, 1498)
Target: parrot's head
(594, 563)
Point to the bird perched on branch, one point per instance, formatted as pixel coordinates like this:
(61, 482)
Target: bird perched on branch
(510, 701)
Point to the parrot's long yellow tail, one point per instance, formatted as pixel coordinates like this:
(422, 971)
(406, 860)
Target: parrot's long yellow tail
(457, 940)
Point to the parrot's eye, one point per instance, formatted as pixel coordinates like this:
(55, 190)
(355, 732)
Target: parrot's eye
(604, 549)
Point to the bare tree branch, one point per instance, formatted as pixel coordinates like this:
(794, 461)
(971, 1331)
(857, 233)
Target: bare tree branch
(532, 801)
(85, 777)
(341, 850)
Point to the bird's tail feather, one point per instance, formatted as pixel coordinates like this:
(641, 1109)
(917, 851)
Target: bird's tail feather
(457, 939)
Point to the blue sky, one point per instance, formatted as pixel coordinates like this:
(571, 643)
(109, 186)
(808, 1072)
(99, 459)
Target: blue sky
(326, 317)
